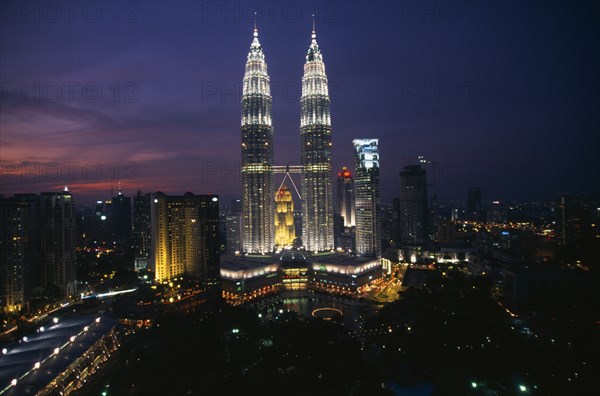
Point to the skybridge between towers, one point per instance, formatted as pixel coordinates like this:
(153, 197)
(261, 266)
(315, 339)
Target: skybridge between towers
(287, 171)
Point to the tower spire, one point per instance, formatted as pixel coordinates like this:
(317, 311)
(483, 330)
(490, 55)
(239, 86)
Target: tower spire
(314, 30)
(255, 28)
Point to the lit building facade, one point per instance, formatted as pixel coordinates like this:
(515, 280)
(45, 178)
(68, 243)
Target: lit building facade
(15, 253)
(247, 278)
(185, 239)
(368, 200)
(285, 232)
(257, 155)
(344, 275)
(316, 142)
(413, 205)
(345, 197)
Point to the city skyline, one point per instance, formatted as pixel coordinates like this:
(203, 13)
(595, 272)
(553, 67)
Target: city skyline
(168, 219)
(412, 108)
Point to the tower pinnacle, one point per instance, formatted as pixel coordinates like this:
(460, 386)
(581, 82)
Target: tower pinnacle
(255, 28)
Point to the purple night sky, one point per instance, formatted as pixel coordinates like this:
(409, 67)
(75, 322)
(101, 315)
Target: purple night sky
(502, 95)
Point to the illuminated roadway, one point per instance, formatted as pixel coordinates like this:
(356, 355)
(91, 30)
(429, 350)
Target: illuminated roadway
(28, 366)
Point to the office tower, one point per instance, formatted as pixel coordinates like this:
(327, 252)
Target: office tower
(235, 206)
(396, 221)
(141, 230)
(185, 239)
(233, 225)
(368, 202)
(121, 219)
(57, 215)
(433, 217)
(53, 218)
(345, 197)
(102, 232)
(338, 226)
(315, 140)
(573, 218)
(413, 205)
(285, 232)
(497, 212)
(52, 237)
(210, 243)
(257, 154)
(16, 253)
(474, 211)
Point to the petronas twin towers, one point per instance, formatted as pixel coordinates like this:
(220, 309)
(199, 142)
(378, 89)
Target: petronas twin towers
(257, 154)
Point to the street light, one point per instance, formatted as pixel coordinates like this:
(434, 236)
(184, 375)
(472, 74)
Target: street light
(522, 388)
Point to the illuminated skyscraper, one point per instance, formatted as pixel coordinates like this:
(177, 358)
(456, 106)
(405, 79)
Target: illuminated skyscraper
(257, 154)
(185, 238)
(285, 232)
(345, 196)
(368, 201)
(315, 140)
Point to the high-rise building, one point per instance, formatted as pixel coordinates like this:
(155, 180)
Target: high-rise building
(396, 221)
(235, 206)
(233, 225)
(345, 197)
(285, 232)
(38, 245)
(185, 237)
(57, 241)
(16, 253)
(102, 230)
(367, 195)
(315, 140)
(573, 218)
(121, 219)
(257, 154)
(141, 230)
(413, 205)
(474, 210)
